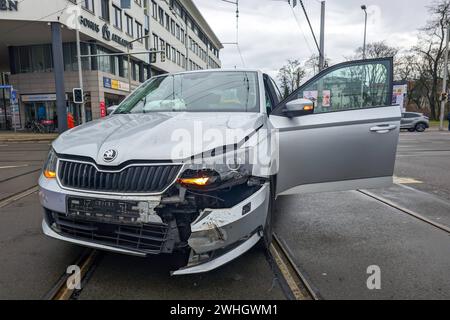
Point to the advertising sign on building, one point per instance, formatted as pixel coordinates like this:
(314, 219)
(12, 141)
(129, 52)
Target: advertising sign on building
(115, 84)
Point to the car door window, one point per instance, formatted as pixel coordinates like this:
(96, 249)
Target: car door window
(349, 86)
(270, 103)
(276, 89)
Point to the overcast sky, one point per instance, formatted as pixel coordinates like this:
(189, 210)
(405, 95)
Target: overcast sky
(269, 33)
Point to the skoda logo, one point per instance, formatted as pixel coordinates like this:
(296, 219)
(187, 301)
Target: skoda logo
(110, 155)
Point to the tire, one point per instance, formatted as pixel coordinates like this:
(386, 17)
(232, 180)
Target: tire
(421, 127)
(266, 240)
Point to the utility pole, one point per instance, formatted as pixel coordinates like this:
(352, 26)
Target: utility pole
(80, 71)
(322, 37)
(129, 57)
(444, 82)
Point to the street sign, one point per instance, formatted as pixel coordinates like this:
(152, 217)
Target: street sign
(14, 95)
(78, 95)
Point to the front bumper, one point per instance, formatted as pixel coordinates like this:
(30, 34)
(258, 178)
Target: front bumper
(217, 236)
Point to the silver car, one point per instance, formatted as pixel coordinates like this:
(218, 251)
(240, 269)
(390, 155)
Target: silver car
(191, 163)
(413, 121)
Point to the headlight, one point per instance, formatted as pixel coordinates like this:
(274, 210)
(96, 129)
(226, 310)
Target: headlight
(217, 172)
(49, 170)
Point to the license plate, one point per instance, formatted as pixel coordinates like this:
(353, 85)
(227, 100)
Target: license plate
(104, 209)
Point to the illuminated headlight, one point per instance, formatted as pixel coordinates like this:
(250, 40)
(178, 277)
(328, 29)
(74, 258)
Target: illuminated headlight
(216, 172)
(49, 170)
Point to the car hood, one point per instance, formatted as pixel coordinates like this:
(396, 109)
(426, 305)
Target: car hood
(157, 136)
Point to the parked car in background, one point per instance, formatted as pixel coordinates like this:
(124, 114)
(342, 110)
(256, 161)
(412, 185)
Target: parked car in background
(413, 121)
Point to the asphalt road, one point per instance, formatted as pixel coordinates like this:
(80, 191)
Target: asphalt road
(332, 239)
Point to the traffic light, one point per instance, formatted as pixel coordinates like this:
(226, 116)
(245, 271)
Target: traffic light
(78, 96)
(163, 56)
(153, 57)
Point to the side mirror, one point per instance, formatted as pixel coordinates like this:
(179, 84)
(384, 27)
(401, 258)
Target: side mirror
(299, 107)
(111, 110)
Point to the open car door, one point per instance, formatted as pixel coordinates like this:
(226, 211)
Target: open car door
(349, 140)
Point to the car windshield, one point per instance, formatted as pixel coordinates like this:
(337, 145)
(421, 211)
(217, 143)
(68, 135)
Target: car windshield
(215, 91)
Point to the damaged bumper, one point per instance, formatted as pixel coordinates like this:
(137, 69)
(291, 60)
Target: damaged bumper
(217, 235)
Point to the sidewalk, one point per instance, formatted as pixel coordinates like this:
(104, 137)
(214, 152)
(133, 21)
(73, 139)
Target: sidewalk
(10, 136)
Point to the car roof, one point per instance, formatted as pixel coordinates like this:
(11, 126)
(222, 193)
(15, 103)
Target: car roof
(213, 70)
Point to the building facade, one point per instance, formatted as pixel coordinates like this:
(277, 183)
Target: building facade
(29, 30)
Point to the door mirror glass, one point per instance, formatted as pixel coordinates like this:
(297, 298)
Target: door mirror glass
(299, 107)
(111, 110)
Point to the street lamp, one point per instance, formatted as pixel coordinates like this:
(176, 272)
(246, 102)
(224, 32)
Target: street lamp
(364, 8)
(129, 59)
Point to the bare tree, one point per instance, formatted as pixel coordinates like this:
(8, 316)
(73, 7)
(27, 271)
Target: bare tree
(377, 50)
(290, 76)
(430, 51)
(312, 64)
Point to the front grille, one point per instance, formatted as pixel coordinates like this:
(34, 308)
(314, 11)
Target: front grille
(133, 179)
(145, 238)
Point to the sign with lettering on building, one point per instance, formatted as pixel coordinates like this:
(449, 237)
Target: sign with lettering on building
(115, 84)
(9, 5)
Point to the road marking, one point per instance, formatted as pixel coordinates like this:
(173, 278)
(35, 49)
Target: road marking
(402, 180)
(11, 167)
(18, 196)
(299, 287)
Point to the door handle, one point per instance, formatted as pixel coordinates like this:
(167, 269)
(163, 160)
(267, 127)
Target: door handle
(383, 128)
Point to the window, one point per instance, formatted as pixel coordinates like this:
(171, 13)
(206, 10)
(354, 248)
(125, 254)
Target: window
(178, 58)
(174, 54)
(155, 42)
(162, 44)
(183, 61)
(117, 18)
(208, 92)
(168, 51)
(105, 10)
(349, 87)
(172, 27)
(182, 35)
(138, 2)
(129, 25)
(139, 31)
(161, 15)
(178, 32)
(154, 10)
(277, 90)
(167, 22)
(88, 5)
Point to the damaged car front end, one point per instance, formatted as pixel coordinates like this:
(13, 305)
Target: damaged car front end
(210, 214)
(108, 185)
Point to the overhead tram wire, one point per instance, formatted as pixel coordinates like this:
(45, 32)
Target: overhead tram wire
(310, 26)
(237, 31)
(301, 30)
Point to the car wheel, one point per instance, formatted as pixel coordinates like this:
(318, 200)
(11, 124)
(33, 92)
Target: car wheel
(420, 127)
(268, 227)
(412, 129)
